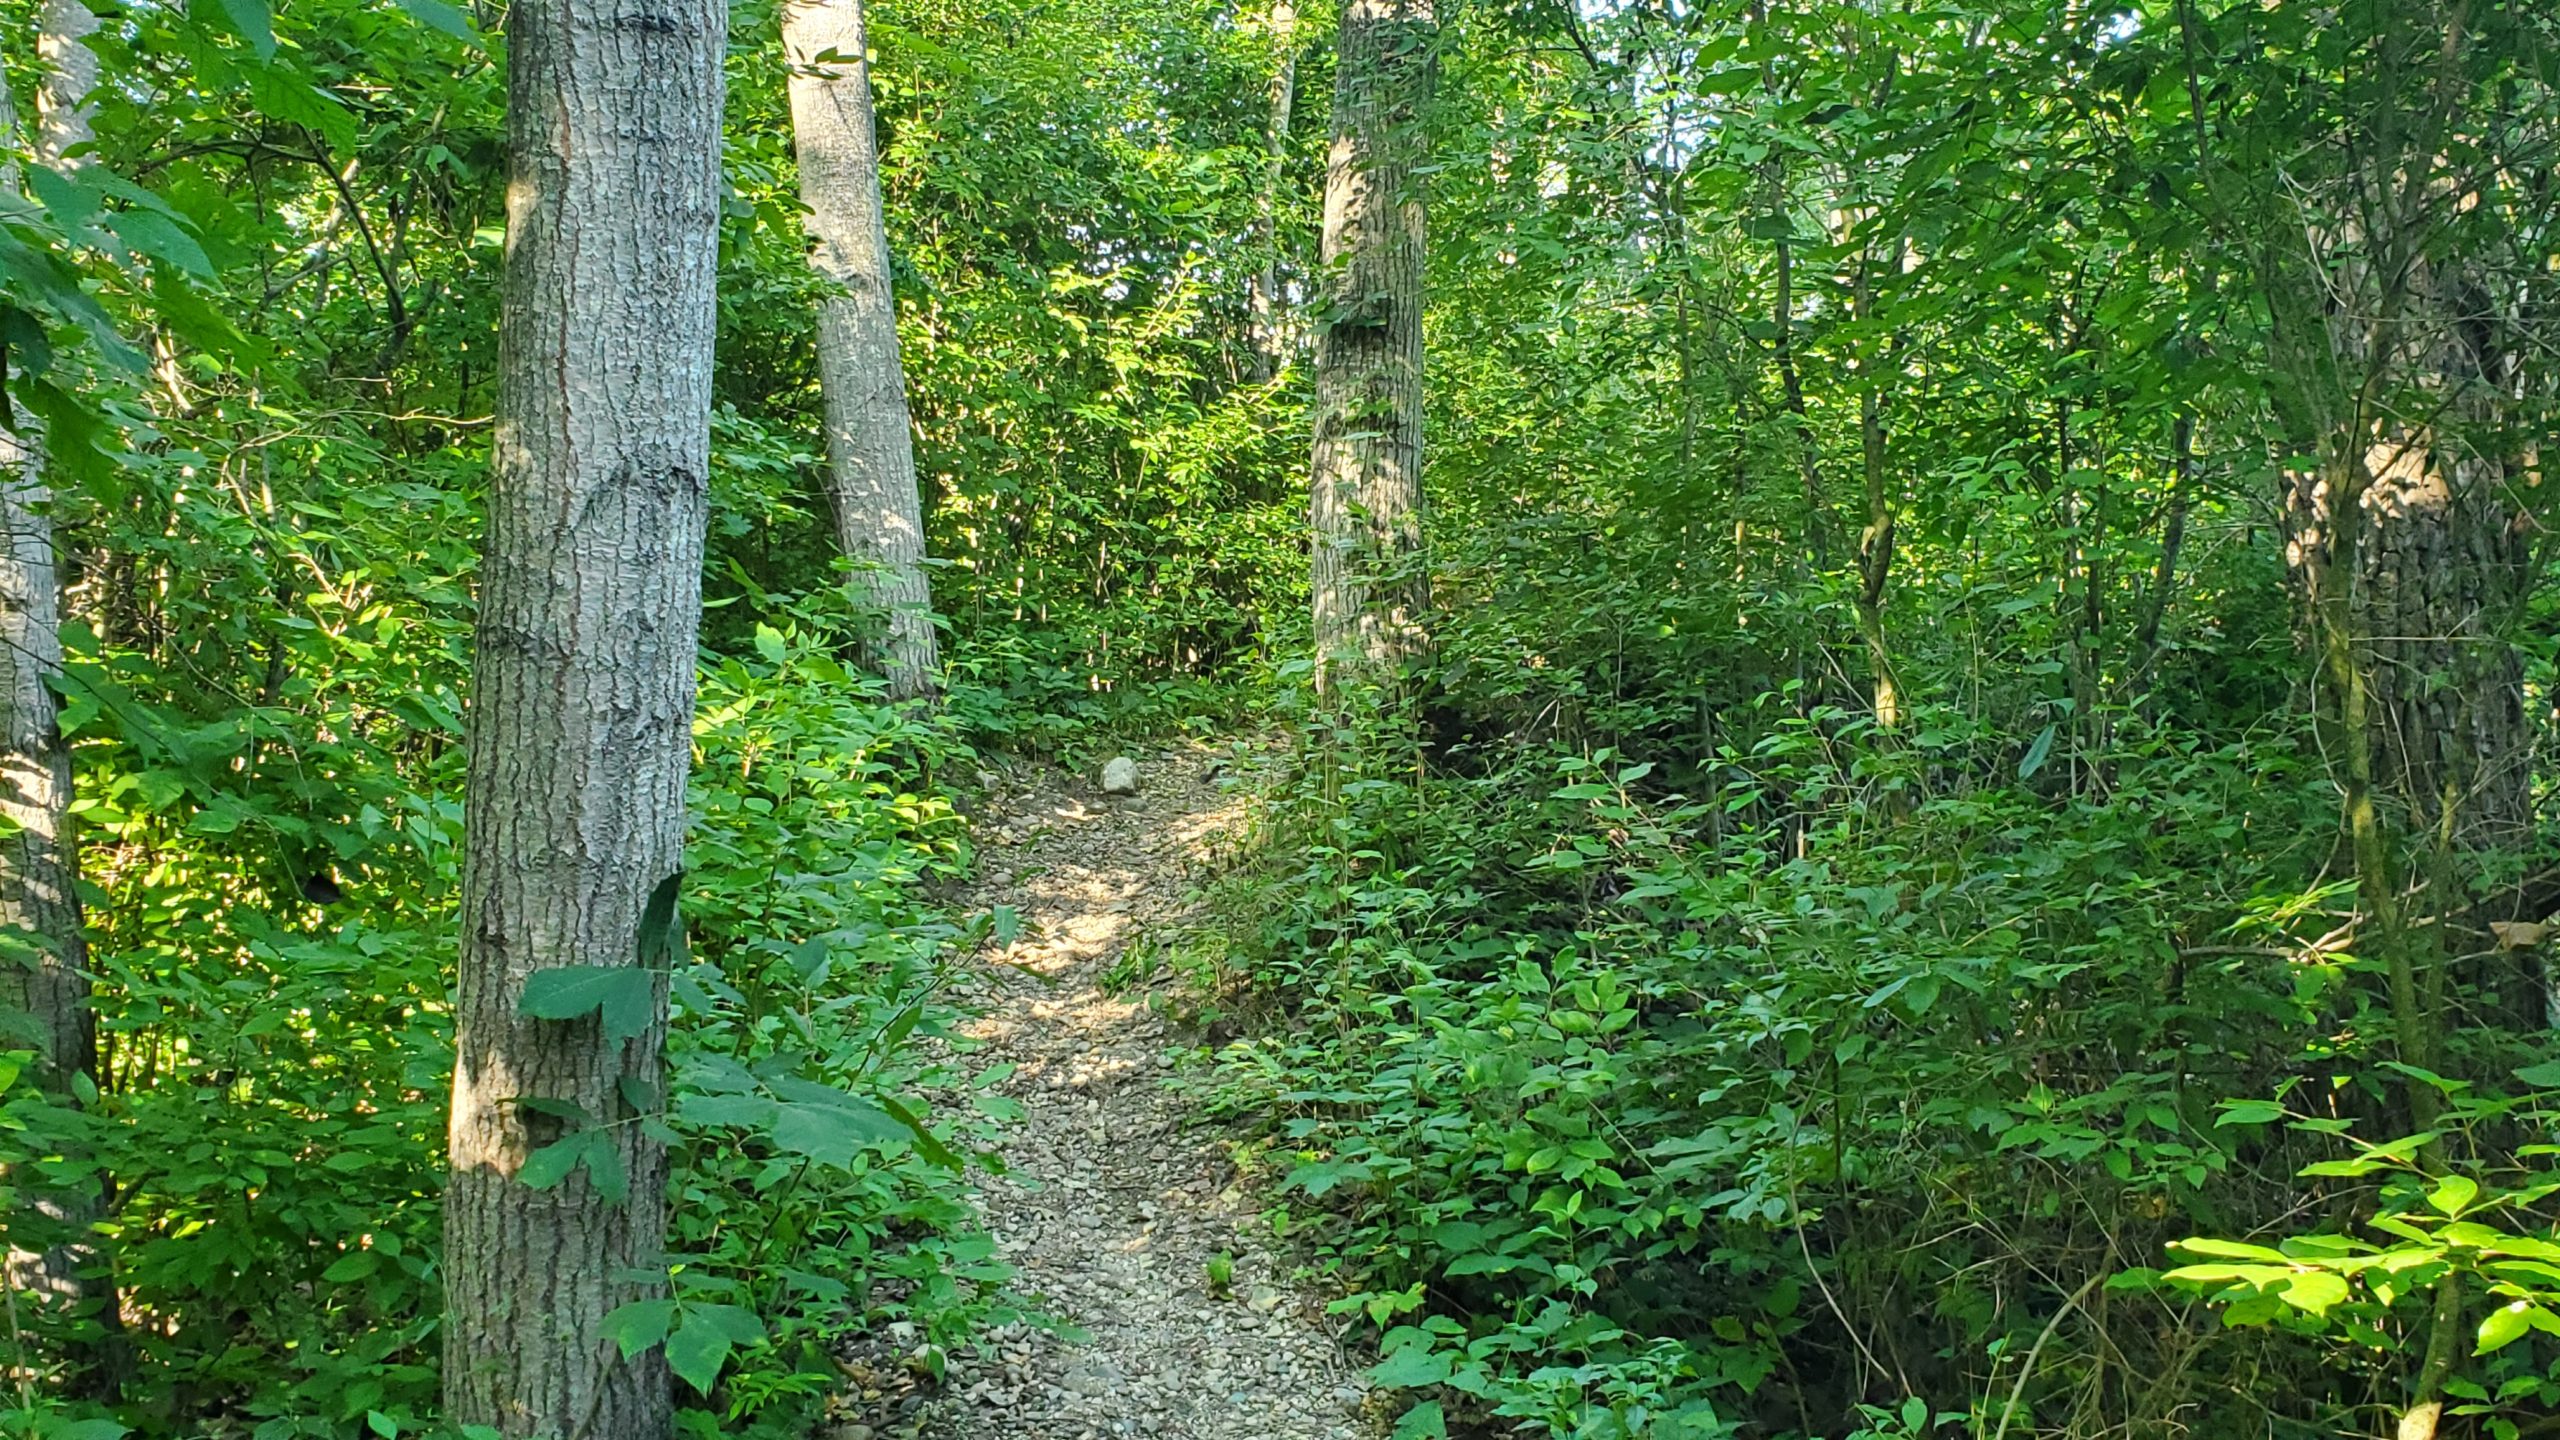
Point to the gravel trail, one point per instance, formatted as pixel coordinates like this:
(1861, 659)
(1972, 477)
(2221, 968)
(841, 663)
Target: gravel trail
(1117, 1200)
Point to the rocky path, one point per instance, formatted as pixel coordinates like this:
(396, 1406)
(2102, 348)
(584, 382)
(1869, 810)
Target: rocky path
(1117, 1203)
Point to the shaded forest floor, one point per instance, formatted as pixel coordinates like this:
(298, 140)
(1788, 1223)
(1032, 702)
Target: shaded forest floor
(1118, 1201)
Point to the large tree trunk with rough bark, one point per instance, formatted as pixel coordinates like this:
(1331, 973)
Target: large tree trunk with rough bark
(583, 703)
(871, 463)
(1270, 334)
(44, 969)
(1371, 588)
(2438, 570)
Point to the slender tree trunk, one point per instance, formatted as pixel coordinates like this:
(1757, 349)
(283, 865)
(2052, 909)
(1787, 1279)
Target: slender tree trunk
(1371, 588)
(64, 103)
(871, 461)
(2173, 538)
(583, 679)
(1875, 541)
(1270, 339)
(1799, 424)
(44, 973)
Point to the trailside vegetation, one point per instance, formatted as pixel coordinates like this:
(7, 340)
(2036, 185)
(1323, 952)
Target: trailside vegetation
(1909, 647)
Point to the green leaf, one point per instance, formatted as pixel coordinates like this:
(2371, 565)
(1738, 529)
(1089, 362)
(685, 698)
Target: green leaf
(2453, 1194)
(1412, 1367)
(1425, 1421)
(249, 21)
(2038, 750)
(552, 1163)
(626, 997)
(354, 1265)
(833, 1134)
(605, 1170)
(927, 1144)
(436, 15)
(661, 931)
(2505, 1325)
(754, 1111)
(737, 1322)
(697, 1353)
(2248, 1112)
(382, 1425)
(2315, 1291)
(2545, 1076)
(636, 1325)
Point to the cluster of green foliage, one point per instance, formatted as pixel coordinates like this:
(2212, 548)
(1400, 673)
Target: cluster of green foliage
(256, 323)
(1660, 1040)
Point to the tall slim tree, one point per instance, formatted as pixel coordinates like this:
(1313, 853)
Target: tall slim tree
(1371, 590)
(871, 462)
(1263, 300)
(45, 974)
(583, 676)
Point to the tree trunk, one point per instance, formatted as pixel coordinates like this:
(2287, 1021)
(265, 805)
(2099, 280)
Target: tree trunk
(871, 462)
(583, 679)
(1270, 340)
(1371, 589)
(44, 973)
(1875, 541)
(64, 103)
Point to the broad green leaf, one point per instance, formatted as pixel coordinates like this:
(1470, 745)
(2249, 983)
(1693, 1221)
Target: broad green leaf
(638, 1324)
(833, 1134)
(627, 997)
(2453, 1194)
(552, 1163)
(661, 928)
(1411, 1367)
(436, 15)
(2249, 1112)
(697, 1353)
(2505, 1325)
(2038, 750)
(1425, 1421)
(250, 22)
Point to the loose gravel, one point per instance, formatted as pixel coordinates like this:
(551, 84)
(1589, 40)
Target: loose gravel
(1117, 1200)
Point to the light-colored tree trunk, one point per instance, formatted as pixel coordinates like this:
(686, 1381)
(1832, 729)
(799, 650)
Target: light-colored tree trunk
(1876, 538)
(44, 973)
(64, 104)
(1270, 334)
(583, 681)
(1371, 589)
(871, 462)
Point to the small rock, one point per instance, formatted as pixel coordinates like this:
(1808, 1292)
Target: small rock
(1120, 776)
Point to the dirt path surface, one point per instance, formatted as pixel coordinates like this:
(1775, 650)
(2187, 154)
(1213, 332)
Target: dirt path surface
(1117, 1202)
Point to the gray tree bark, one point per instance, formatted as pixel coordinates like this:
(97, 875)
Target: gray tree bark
(65, 103)
(44, 974)
(871, 463)
(1270, 334)
(1370, 586)
(583, 679)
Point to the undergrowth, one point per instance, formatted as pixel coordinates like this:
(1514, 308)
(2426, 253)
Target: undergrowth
(1867, 1085)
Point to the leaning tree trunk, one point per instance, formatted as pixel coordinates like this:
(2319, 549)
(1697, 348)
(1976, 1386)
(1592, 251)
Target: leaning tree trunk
(1270, 338)
(39, 865)
(582, 707)
(1370, 587)
(871, 462)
